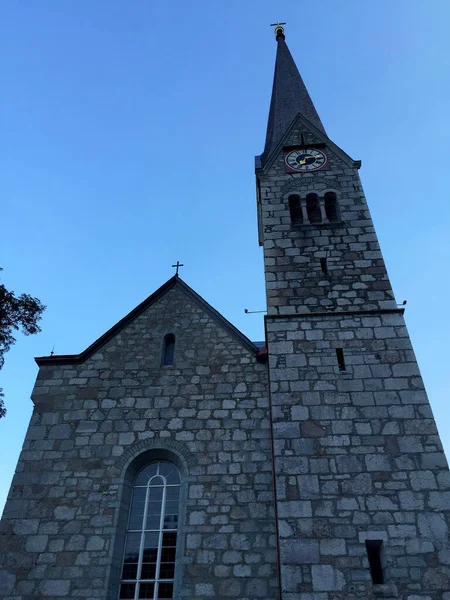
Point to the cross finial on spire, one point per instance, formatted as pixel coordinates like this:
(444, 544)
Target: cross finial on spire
(279, 30)
(178, 265)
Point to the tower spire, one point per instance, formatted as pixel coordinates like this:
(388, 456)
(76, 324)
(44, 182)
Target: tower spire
(289, 96)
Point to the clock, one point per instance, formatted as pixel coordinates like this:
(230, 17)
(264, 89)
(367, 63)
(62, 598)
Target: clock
(305, 159)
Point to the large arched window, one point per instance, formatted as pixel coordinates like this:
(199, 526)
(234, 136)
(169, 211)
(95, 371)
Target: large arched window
(313, 208)
(168, 352)
(150, 545)
(331, 207)
(295, 209)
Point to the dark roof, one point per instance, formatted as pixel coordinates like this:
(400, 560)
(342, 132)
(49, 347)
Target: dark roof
(68, 359)
(289, 98)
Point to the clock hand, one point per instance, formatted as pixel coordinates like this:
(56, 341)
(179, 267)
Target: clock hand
(303, 162)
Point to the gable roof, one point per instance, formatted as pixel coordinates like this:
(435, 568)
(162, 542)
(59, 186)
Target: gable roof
(70, 359)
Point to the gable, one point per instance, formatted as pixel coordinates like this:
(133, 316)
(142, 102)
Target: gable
(143, 320)
(302, 132)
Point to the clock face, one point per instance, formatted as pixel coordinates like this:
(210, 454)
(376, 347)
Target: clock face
(308, 159)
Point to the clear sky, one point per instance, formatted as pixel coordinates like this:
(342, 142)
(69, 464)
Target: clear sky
(128, 136)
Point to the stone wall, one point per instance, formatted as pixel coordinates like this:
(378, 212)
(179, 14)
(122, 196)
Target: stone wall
(357, 457)
(357, 454)
(210, 409)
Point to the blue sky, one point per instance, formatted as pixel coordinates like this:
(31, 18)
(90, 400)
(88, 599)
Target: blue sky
(128, 137)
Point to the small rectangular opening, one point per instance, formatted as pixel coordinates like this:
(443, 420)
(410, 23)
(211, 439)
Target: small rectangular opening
(324, 266)
(340, 358)
(373, 548)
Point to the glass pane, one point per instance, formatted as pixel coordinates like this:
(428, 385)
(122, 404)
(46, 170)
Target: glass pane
(153, 522)
(157, 481)
(151, 540)
(127, 590)
(165, 468)
(170, 521)
(168, 555)
(165, 590)
(173, 493)
(154, 509)
(173, 477)
(148, 570)
(172, 507)
(150, 547)
(169, 539)
(137, 508)
(146, 473)
(132, 547)
(129, 571)
(166, 570)
(150, 555)
(155, 493)
(146, 590)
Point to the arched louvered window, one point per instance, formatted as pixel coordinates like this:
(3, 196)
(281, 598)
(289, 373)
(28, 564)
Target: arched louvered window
(331, 207)
(313, 208)
(295, 209)
(168, 349)
(150, 545)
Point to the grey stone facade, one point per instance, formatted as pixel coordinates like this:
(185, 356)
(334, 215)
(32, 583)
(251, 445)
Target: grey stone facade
(63, 524)
(357, 453)
(288, 467)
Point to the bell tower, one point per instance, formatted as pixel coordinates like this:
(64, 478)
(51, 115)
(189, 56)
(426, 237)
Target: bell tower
(320, 246)
(362, 500)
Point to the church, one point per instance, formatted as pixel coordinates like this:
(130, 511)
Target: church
(176, 458)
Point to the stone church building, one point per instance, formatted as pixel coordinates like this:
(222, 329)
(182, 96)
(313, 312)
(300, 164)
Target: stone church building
(175, 458)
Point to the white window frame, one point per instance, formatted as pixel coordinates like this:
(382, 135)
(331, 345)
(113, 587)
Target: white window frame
(157, 580)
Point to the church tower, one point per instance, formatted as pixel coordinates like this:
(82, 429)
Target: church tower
(361, 481)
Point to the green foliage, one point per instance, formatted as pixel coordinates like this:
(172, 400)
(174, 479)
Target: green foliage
(16, 312)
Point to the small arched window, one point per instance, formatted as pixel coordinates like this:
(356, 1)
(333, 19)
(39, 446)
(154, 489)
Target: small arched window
(313, 208)
(331, 207)
(295, 209)
(149, 559)
(168, 352)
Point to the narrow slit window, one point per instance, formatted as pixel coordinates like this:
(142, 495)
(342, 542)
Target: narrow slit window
(324, 266)
(295, 209)
(331, 207)
(313, 208)
(340, 358)
(373, 548)
(168, 349)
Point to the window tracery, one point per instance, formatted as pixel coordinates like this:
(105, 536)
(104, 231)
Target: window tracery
(148, 569)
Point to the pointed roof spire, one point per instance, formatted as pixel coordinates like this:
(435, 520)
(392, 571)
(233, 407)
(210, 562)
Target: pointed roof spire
(289, 96)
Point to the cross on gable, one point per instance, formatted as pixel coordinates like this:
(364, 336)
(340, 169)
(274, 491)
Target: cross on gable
(177, 265)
